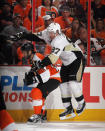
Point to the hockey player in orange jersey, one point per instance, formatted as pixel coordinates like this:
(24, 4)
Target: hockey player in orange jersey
(47, 80)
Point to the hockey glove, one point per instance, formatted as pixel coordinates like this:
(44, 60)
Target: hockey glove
(29, 78)
(18, 36)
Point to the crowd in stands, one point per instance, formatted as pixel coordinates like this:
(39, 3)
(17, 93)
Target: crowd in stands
(72, 15)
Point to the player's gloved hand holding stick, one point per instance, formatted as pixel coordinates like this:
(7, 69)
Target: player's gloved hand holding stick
(32, 76)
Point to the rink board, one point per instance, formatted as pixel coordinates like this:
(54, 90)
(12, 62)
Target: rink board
(18, 100)
(53, 115)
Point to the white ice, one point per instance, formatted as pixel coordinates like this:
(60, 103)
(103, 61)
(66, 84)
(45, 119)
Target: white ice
(71, 126)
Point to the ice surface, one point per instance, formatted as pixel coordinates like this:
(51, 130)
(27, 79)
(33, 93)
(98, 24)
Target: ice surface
(71, 126)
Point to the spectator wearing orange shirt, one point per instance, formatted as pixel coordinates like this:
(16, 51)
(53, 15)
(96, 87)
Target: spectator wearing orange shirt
(72, 32)
(65, 20)
(38, 20)
(28, 21)
(22, 8)
(99, 32)
(76, 10)
(47, 9)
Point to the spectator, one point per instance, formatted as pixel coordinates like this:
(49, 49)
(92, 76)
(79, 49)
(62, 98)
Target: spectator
(93, 22)
(72, 32)
(38, 20)
(22, 8)
(99, 31)
(56, 3)
(47, 9)
(47, 20)
(95, 46)
(65, 20)
(15, 27)
(99, 9)
(6, 57)
(76, 10)
(5, 16)
(84, 3)
(28, 21)
(12, 30)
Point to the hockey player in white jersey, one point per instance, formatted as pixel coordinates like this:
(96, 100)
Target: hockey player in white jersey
(71, 70)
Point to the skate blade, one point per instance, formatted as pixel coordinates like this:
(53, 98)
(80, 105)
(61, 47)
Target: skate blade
(30, 123)
(70, 116)
(33, 123)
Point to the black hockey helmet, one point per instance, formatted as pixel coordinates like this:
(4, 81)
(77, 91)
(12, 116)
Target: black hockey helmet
(28, 47)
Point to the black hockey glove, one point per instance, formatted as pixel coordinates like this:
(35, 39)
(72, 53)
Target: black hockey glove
(18, 36)
(32, 78)
(29, 78)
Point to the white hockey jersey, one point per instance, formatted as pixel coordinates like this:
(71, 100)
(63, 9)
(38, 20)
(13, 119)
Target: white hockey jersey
(63, 49)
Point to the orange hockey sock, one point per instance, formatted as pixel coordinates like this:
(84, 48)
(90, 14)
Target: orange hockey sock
(6, 120)
(38, 100)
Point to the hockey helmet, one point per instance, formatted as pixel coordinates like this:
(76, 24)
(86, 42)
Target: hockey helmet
(54, 27)
(28, 47)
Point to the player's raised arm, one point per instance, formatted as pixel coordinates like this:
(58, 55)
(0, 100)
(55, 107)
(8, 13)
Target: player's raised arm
(28, 36)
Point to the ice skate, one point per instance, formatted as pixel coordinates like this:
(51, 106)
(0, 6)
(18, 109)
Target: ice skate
(81, 108)
(68, 114)
(34, 119)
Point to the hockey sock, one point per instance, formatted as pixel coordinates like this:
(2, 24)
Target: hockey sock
(38, 107)
(66, 94)
(6, 121)
(38, 101)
